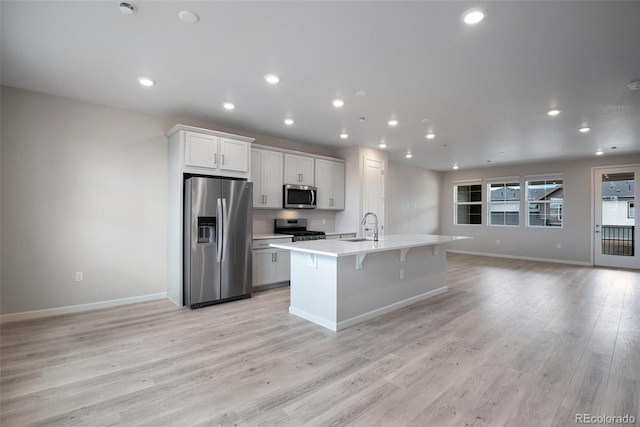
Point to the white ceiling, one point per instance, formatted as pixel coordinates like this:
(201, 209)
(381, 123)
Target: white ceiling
(485, 89)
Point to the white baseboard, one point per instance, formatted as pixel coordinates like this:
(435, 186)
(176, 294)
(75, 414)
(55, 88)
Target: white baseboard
(27, 315)
(313, 318)
(338, 326)
(525, 258)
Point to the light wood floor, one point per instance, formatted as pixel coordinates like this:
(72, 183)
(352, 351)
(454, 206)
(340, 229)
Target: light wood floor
(512, 343)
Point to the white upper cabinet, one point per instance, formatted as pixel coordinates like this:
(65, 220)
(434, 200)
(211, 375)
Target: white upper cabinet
(201, 150)
(298, 169)
(234, 155)
(210, 152)
(266, 173)
(329, 179)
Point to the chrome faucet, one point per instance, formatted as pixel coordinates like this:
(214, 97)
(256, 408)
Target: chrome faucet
(375, 230)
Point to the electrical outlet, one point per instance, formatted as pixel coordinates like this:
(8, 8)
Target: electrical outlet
(401, 273)
(558, 245)
(79, 276)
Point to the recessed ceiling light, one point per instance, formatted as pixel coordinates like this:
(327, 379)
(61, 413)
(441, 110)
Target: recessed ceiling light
(431, 135)
(444, 145)
(599, 152)
(502, 153)
(344, 135)
(272, 78)
(228, 106)
(382, 145)
(473, 16)
(188, 17)
(409, 155)
(338, 103)
(146, 81)
(584, 129)
(455, 167)
(554, 112)
(393, 122)
(361, 93)
(288, 122)
(425, 120)
(127, 8)
(362, 118)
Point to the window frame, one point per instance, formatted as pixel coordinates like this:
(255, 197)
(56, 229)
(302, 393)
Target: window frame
(469, 183)
(505, 182)
(541, 203)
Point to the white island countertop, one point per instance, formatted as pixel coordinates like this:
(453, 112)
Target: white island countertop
(340, 248)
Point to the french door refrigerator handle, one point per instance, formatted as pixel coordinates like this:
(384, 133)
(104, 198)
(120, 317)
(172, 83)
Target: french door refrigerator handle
(224, 227)
(220, 235)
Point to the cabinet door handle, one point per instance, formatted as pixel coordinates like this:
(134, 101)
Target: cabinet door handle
(266, 196)
(223, 159)
(330, 202)
(215, 159)
(273, 255)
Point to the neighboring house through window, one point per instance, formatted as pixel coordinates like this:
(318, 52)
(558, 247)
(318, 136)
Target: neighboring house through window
(504, 202)
(468, 203)
(545, 198)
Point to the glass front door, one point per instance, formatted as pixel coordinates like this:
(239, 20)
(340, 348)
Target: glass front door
(616, 222)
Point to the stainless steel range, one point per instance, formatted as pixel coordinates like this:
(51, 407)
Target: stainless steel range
(297, 228)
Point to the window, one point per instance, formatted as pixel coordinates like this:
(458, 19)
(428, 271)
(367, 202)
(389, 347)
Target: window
(631, 210)
(545, 202)
(504, 203)
(468, 203)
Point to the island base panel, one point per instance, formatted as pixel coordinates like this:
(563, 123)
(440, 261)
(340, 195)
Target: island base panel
(332, 292)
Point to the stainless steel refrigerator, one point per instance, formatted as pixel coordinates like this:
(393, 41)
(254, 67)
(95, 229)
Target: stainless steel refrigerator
(218, 229)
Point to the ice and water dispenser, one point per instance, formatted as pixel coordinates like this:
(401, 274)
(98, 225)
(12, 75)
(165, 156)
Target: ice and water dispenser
(206, 229)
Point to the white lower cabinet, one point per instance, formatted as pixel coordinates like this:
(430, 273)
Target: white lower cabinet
(270, 265)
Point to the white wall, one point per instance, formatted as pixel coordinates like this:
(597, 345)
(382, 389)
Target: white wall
(84, 188)
(413, 204)
(575, 235)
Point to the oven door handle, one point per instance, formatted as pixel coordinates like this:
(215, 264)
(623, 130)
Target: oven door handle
(313, 197)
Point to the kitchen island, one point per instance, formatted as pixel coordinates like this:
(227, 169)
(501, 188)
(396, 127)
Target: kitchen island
(339, 283)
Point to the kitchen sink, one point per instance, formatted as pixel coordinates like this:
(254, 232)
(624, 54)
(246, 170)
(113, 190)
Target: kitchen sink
(359, 239)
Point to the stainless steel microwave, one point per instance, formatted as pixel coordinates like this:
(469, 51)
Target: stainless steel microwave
(299, 197)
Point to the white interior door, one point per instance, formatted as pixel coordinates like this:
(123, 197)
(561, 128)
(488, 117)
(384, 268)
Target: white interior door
(615, 218)
(373, 200)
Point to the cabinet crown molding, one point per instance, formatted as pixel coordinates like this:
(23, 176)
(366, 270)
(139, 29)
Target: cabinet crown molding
(297, 153)
(178, 128)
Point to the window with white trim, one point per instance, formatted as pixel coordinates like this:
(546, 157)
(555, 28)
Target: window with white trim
(545, 201)
(468, 203)
(504, 202)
